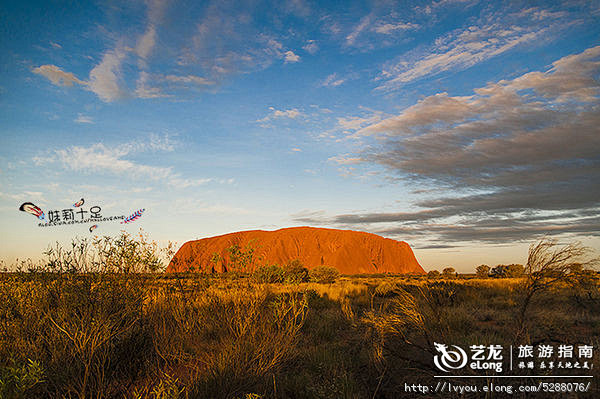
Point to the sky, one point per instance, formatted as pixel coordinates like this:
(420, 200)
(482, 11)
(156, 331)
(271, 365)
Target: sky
(469, 129)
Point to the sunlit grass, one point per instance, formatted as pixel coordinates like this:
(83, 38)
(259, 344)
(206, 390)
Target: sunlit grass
(107, 333)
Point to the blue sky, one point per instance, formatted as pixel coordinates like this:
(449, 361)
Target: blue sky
(468, 129)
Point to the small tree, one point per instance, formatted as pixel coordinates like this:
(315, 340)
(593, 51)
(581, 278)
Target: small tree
(547, 264)
(482, 271)
(584, 284)
(269, 274)
(324, 274)
(433, 274)
(508, 271)
(498, 271)
(240, 258)
(515, 270)
(449, 272)
(295, 272)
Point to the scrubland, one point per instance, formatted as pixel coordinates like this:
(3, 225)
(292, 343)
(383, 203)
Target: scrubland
(102, 325)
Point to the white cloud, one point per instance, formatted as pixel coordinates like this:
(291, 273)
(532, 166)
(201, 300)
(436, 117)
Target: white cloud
(296, 150)
(57, 76)
(493, 35)
(185, 183)
(516, 160)
(297, 7)
(247, 48)
(55, 45)
(156, 10)
(357, 122)
(225, 41)
(526, 150)
(30, 196)
(538, 14)
(290, 113)
(154, 142)
(433, 109)
(105, 77)
(83, 119)
(346, 160)
(159, 143)
(367, 33)
(362, 25)
(311, 47)
(333, 80)
(389, 28)
(189, 79)
(321, 109)
(277, 114)
(429, 8)
(291, 57)
(571, 78)
(145, 90)
(146, 42)
(99, 158)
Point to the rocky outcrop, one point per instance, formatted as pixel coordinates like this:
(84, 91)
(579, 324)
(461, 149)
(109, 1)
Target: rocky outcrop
(351, 252)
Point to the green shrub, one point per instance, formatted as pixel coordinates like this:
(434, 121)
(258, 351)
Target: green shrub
(269, 274)
(20, 381)
(324, 274)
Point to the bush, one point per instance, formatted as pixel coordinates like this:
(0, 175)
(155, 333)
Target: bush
(269, 274)
(20, 381)
(125, 253)
(83, 327)
(295, 272)
(507, 271)
(482, 271)
(515, 270)
(449, 272)
(324, 274)
(433, 274)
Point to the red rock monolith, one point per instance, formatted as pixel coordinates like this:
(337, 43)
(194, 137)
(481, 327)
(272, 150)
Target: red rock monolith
(350, 252)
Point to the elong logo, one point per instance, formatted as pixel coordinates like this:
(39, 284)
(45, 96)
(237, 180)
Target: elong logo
(450, 360)
(458, 358)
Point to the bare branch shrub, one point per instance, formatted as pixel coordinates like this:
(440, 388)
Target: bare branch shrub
(548, 263)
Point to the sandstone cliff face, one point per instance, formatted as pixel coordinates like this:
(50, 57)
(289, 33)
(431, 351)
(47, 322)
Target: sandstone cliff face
(350, 252)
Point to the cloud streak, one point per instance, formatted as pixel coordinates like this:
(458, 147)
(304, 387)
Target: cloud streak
(84, 119)
(520, 157)
(222, 42)
(292, 113)
(102, 159)
(463, 48)
(104, 79)
(57, 76)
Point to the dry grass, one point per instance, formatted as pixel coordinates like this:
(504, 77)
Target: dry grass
(134, 335)
(138, 335)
